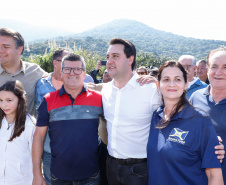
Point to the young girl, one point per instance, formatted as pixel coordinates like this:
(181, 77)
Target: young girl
(16, 134)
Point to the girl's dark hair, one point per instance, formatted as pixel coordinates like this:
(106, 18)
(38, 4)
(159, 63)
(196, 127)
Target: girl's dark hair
(16, 88)
(183, 100)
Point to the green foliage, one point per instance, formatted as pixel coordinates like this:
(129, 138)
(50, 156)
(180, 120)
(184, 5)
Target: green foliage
(150, 59)
(45, 61)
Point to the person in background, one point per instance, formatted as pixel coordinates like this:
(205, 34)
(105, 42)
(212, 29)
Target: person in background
(106, 78)
(201, 71)
(16, 134)
(142, 70)
(13, 68)
(212, 99)
(72, 115)
(189, 63)
(154, 72)
(45, 85)
(181, 140)
(88, 79)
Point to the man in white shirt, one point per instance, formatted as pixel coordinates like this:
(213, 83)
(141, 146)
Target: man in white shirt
(189, 63)
(128, 109)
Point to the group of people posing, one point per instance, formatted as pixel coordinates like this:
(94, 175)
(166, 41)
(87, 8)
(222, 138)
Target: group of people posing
(157, 131)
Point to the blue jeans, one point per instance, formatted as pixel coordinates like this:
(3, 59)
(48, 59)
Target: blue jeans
(134, 174)
(94, 180)
(46, 160)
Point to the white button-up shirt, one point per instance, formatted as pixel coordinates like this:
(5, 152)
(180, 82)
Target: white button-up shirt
(128, 112)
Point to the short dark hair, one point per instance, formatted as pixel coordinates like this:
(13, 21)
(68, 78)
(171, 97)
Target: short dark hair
(183, 100)
(17, 89)
(59, 53)
(74, 57)
(154, 71)
(129, 48)
(201, 61)
(18, 39)
(221, 48)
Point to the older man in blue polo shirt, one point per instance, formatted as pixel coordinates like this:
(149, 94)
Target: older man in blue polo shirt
(72, 115)
(212, 99)
(189, 63)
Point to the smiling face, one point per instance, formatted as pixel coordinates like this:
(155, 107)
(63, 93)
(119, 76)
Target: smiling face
(57, 65)
(73, 81)
(106, 76)
(8, 103)
(187, 63)
(202, 71)
(217, 70)
(172, 83)
(9, 54)
(117, 64)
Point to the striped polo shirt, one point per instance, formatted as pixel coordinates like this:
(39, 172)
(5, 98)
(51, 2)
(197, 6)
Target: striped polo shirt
(73, 130)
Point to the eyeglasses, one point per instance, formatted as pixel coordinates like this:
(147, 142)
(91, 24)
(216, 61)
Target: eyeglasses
(187, 67)
(141, 73)
(67, 70)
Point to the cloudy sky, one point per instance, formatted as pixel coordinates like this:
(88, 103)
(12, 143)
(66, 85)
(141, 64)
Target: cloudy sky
(191, 18)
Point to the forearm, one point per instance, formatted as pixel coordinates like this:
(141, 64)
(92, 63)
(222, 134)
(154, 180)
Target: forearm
(37, 151)
(214, 176)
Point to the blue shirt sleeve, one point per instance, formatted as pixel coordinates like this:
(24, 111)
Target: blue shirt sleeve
(209, 140)
(38, 97)
(43, 115)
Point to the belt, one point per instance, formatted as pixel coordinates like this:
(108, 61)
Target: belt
(129, 161)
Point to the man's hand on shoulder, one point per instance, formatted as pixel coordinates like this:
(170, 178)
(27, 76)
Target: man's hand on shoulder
(146, 79)
(220, 150)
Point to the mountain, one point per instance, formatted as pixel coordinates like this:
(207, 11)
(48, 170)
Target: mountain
(32, 32)
(147, 39)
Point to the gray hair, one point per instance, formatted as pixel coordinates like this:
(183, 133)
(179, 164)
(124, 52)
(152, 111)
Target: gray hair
(188, 57)
(74, 58)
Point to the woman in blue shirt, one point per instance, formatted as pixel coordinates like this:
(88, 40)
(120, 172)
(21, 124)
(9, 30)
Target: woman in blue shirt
(181, 142)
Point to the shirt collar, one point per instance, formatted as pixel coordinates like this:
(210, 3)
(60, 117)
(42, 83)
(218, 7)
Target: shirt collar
(192, 82)
(185, 113)
(62, 90)
(131, 83)
(22, 69)
(1, 69)
(207, 90)
(209, 97)
(22, 66)
(48, 79)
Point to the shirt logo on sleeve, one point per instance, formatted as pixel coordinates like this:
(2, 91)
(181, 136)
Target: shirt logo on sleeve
(178, 135)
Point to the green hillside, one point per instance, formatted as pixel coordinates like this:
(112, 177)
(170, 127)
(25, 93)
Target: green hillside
(145, 38)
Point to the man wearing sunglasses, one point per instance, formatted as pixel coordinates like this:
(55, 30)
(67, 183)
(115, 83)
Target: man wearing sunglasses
(72, 115)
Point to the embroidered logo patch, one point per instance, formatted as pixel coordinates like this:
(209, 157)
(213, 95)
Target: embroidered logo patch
(178, 135)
